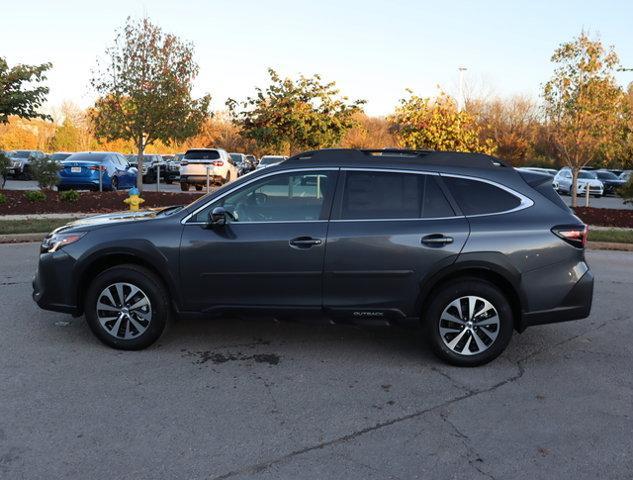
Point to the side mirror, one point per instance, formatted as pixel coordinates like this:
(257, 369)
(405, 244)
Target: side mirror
(217, 217)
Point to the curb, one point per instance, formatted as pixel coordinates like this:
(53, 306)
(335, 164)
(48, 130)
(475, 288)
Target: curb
(622, 247)
(22, 237)
(46, 216)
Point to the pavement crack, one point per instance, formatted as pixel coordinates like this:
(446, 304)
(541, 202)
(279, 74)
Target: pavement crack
(456, 383)
(262, 466)
(6, 284)
(474, 457)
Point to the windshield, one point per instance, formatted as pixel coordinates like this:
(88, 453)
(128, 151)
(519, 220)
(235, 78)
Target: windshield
(586, 175)
(202, 155)
(22, 153)
(60, 156)
(237, 157)
(607, 176)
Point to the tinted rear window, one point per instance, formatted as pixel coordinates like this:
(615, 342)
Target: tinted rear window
(479, 198)
(87, 157)
(385, 195)
(202, 155)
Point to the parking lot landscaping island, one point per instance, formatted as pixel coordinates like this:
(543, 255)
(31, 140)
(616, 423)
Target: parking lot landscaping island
(17, 203)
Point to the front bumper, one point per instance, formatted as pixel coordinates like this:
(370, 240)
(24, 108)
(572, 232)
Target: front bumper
(575, 305)
(52, 286)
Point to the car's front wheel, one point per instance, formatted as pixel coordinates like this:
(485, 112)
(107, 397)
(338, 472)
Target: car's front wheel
(127, 307)
(469, 322)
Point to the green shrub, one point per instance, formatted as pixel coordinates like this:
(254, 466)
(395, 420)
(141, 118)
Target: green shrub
(34, 195)
(3, 199)
(69, 196)
(45, 171)
(626, 191)
(5, 163)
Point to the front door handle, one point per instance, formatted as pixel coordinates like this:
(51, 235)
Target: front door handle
(436, 240)
(305, 242)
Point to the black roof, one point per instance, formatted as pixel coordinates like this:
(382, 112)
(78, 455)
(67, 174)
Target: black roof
(386, 157)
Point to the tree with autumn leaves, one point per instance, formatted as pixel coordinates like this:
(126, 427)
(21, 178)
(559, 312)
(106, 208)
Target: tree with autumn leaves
(437, 124)
(583, 103)
(145, 89)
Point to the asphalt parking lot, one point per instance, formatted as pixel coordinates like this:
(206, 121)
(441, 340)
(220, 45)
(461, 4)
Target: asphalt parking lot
(603, 202)
(244, 399)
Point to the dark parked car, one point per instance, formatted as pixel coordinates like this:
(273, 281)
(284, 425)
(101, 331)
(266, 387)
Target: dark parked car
(81, 171)
(610, 181)
(462, 245)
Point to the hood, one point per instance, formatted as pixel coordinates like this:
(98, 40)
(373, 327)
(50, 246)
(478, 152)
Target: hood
(112, 218)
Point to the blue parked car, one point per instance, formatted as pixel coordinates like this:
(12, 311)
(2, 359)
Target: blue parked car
(80, 171)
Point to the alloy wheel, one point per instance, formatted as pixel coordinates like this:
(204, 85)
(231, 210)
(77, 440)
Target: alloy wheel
(469, 325)
(124, 311)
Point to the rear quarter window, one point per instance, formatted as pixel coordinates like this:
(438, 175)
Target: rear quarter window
(475, 197)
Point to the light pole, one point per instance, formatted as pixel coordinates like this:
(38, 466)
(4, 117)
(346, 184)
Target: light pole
(461, 100)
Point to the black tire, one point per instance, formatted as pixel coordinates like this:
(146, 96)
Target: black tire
(227, 179)
(198, 187)
(150, 286)
(456, 289)
(114, 184)
(184, 187)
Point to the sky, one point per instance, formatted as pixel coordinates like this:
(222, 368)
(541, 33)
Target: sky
(374, 50)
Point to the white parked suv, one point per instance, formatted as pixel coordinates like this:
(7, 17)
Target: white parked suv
(196, 162)
(270, 160)
(586, 179)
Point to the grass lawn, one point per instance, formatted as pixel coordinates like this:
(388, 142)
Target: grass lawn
(31, 226)
(619, 236)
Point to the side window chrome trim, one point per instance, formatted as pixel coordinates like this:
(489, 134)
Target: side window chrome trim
(526, 202)
(396, 219)
(278, 172)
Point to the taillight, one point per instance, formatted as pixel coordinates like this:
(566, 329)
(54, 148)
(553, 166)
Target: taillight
(575, 235)
(218, 163)
(97, 167)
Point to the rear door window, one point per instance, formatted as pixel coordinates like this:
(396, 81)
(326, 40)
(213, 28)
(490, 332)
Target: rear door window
(375, 195)
(475, 197)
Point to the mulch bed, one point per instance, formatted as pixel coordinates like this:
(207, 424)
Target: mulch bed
(605, 217)
(103, 202)
(89, 202)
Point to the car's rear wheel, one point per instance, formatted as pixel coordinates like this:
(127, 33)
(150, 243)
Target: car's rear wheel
(127, 307)
(227, 179)
(469, 322)
(115, 184)
(184, 187)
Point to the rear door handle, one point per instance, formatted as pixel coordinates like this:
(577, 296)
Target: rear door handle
(436, 240)
(305, 242)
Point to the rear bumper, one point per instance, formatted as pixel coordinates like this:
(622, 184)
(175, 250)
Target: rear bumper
(199, 179)
(575, 305)
(84, 182)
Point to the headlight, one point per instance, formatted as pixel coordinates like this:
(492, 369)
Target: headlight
(55, 241)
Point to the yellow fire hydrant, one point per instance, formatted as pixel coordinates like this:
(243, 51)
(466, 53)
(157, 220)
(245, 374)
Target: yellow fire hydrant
(134, 200)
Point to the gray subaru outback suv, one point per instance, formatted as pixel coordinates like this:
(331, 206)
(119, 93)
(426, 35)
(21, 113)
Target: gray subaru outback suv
(461, 245)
